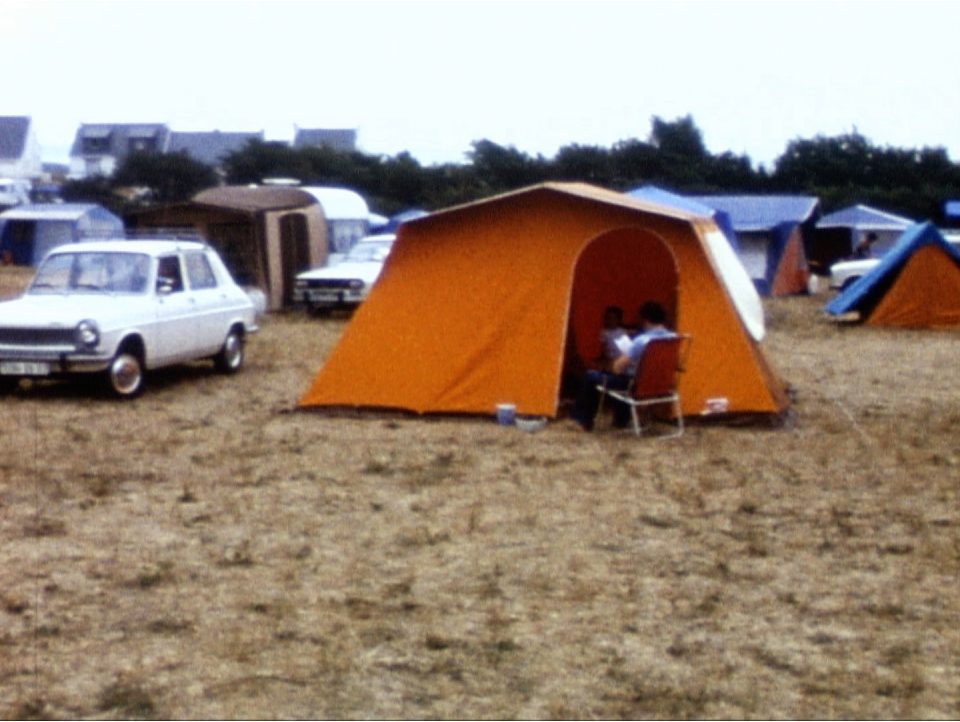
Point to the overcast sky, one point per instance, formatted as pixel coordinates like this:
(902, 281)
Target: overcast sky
(431, 77)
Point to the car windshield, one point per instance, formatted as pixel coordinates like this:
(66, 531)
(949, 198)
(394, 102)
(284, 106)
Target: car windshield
(88, 272)
(369, 251)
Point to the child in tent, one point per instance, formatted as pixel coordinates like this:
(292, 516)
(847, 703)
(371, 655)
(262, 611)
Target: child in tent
(612, 330)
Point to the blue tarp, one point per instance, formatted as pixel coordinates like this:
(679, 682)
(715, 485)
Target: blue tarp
(684, 203)
(759, 213)
(864, 294)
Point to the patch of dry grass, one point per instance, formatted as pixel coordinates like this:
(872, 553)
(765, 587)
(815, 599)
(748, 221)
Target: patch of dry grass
(206, 552)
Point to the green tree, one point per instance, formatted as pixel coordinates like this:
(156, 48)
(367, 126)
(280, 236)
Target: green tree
(680, 138)
(97, 189)
(500, 168)
(585, 163)
(170, 177)
(848, 169)
(265, 159)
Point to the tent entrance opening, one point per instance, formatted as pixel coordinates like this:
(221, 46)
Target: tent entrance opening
(625, 268)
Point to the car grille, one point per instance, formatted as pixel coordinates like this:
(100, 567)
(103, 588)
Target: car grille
(330, 283)
(36, 336)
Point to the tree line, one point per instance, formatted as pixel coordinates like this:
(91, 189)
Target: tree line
(840, 170)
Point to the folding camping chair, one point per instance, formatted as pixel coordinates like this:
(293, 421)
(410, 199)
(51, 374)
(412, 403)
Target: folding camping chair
(655, 381)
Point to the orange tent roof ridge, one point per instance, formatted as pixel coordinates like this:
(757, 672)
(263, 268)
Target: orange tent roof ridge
(585, 191)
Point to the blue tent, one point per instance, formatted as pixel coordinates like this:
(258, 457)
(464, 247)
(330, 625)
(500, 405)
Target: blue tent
(672, 200)
(916, 284)
(771, 234)
(861, 217)
(29, 231)
(839, 232)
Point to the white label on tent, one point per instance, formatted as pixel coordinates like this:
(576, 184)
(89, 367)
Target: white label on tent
(738, 284)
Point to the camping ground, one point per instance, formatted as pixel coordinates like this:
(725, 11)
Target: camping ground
(208, 552)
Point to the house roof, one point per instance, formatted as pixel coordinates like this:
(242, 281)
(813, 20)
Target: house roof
(13, 136)
(336, 138)
(864, 217)
(763, 212)
(119, 135)
(209, 147)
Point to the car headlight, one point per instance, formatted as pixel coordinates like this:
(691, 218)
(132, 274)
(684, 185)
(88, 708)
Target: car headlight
(356, 283)
(87, 335)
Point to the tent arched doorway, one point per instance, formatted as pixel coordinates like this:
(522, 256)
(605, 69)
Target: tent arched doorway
(625, 267)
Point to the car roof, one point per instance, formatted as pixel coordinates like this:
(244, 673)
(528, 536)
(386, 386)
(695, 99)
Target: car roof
(153, 247)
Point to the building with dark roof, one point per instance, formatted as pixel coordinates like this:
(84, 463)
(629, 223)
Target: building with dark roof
(19, 149)
(210, 148)
(99, 149)
(335, 139)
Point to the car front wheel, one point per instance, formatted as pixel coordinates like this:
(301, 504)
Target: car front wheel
(124, 377)
(230, 358)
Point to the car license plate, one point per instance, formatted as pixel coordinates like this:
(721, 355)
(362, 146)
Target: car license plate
(24, 368)
(325, 297)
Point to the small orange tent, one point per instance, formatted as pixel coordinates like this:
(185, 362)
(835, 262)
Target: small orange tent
(489, 303)
(915, 285)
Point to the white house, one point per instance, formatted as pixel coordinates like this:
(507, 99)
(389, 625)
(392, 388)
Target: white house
(99, 149)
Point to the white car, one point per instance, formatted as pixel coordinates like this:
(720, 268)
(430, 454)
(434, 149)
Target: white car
(119, 308)
(347, 283)
(845, 273)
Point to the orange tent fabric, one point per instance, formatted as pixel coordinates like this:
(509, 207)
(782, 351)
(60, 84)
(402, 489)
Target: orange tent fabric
(926, 293)
(490, 302)
(792, 273)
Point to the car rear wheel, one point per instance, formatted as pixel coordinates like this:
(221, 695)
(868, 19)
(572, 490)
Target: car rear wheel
(230, 358)
(124, 377)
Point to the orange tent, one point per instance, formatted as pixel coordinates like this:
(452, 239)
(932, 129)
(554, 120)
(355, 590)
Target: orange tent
(790, 273)
(492, 301)
(925, 295)
(915, 285)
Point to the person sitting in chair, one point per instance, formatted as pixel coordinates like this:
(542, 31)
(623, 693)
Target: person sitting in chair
(653, 319)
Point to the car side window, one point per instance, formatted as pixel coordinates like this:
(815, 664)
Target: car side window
(199, 271)
(168, 273)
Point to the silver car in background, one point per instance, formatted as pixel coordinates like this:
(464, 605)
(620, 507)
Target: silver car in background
(345, 284)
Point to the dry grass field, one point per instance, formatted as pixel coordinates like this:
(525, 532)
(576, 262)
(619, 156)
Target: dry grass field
(207, 552)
